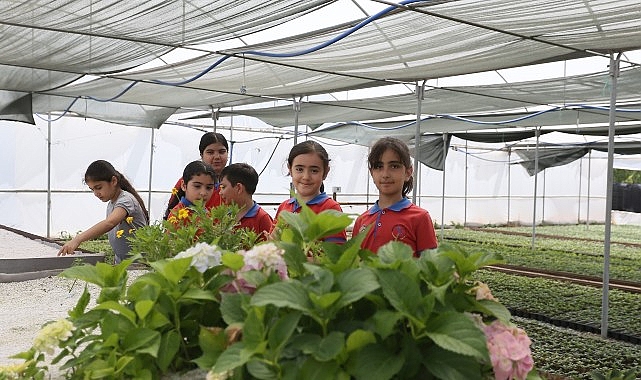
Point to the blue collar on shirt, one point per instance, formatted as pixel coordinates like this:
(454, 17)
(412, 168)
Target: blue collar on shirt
(316, 200)
(252, 211)
(185, 201)
(398, 206)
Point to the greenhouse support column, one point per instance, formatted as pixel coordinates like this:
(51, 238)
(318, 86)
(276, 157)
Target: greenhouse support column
(296, 112)
(536, 180)
(231, 138)
(151, 166)
(465, 198)
(443, 188)
(578, 217)
(417, 134)
(509, 182)
(543, 199)
(589, 173)
(614, 74)
(49, 174)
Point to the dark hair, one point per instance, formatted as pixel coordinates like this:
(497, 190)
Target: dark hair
(310, 146)
(241, 172)
(102, 170)
(211, 138)
(195, 168)
(400, 148)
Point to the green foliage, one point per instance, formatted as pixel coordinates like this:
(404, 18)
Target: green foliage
(627, 176)
(614, 375)
(164, 239)
(342, 312)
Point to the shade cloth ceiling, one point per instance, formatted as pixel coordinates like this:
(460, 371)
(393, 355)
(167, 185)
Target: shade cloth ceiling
(48, 46)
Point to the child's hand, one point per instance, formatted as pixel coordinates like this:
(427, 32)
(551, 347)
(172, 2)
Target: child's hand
(69, 248)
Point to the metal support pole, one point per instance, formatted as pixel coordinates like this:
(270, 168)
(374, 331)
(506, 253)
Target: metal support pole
(49, 174)
(151, 168)
(443, 189)
(536, 180)
(614, 74)
(296, 112)
(417, 134)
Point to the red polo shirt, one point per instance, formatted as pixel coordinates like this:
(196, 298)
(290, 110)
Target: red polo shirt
(258, 220)
(403, 221)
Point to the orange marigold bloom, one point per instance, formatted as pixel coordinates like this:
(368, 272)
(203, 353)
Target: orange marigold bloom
(172, 219)
(183, 213)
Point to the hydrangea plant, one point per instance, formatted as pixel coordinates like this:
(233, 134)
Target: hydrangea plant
(295, 308)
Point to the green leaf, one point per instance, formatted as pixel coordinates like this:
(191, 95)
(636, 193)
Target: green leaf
(355, 284)
(385, 322)
(290, 294)
(327, 223)
(142, 340)
(81, 305)
(172, 269)
(395, 252)
(85, 272)
(231, 307)
(143, 308)
(324, 301)
(212, 342)
(231, 358)
(402, 292)
(330, 346)
(457, 333)
(233, 261)
(282, 330)
(117, 308)
(446, 365)
(495, 309)
(374, 362)
(315, 370)
(169, 346)
(359, 339)
(198, 294)
(261, 370)
(253, 329)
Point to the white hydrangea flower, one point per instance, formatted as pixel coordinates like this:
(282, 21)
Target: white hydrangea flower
(203, 256)
(51, 334)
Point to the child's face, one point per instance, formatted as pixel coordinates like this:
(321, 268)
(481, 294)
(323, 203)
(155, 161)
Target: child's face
(215, 155)
(229, 193)
(104, 190)
(307, 175)
(389, 174)
(199, 187)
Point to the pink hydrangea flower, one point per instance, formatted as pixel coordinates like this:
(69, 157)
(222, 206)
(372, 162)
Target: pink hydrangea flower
(267, 258)
(509, 348)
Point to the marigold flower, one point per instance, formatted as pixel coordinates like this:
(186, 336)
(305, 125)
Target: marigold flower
(51, 334)
(204, 256)
(509, 348)
(172, 219)
(183, 213)
(174, 191)
(119, 233)
(129, 219)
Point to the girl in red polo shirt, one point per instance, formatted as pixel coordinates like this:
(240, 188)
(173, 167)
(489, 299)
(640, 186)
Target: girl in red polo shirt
(214, 151)
(308, 164)
(394, 217)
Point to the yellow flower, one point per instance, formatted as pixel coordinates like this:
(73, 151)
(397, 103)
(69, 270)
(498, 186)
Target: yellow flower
(119, 233)
(15, 370)
(129, 219)
(174, 191)
(183, 213)
(131, 230)
(172, 219)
